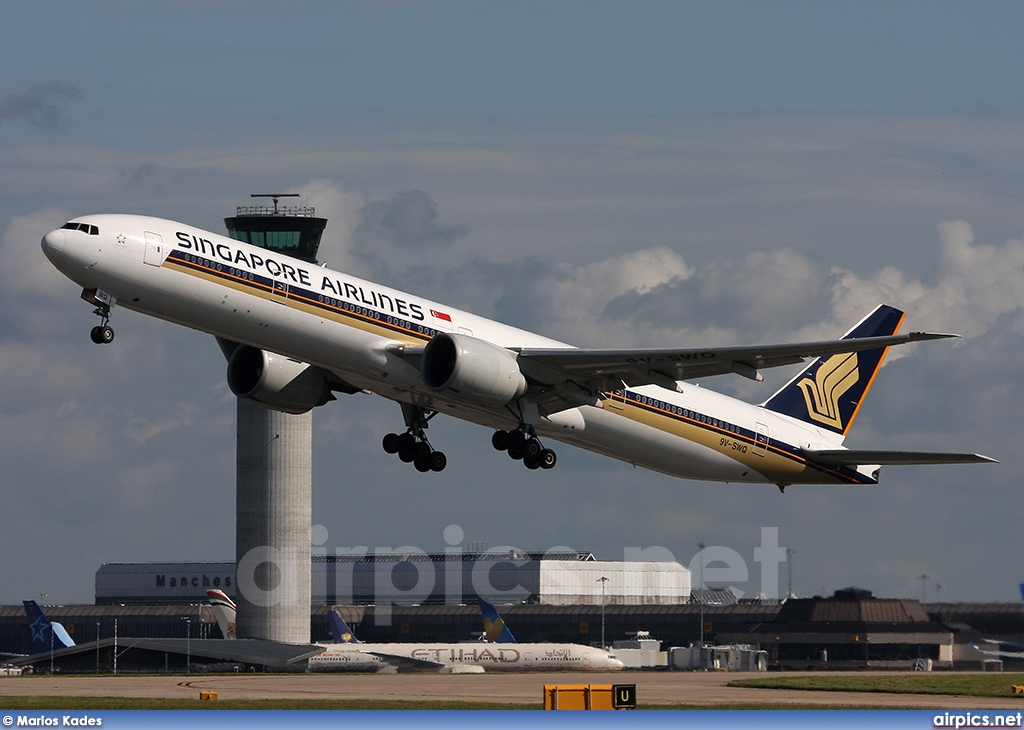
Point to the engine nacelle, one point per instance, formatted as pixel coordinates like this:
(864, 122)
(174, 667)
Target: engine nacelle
(275, 381)
(471, 370)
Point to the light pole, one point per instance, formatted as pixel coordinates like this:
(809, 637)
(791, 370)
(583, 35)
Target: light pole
(700, 586)
(602, 580)
(790, 552)
(188, 643)
(97, 647)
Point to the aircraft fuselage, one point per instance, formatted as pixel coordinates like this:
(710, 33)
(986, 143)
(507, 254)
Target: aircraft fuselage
(355, 329)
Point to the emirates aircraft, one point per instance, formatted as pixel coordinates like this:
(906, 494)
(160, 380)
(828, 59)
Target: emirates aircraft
(295, 334)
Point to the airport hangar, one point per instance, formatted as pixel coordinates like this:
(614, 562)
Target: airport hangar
(558, 597)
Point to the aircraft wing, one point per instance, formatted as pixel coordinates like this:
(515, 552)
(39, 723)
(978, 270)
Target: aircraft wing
(854, 457)
(400, 661)
(600, 370)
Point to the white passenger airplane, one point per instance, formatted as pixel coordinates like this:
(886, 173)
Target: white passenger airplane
(294, 333)
(352, 655)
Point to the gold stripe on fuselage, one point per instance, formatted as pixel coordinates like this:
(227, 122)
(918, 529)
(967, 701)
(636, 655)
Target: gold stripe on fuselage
(774, 463)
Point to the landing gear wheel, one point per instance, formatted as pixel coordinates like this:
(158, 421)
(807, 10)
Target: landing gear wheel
(531, 462)
(102, 334)
(438, 461)
(406, 455)
(500, 440)
(422, 463)
(517, 439)
(390, 443)
(406, 442)
(532, 448)
(516, 452)
(546, 458)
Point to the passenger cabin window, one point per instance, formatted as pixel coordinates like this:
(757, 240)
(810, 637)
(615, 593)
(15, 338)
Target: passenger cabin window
(84, 227)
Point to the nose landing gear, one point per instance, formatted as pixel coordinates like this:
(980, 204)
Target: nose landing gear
(101, 334)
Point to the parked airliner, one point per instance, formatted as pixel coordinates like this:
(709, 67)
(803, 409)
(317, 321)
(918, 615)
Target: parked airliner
(295, 333)
(352, 655)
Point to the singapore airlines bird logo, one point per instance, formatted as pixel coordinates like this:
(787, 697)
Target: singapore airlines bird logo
(835, 376)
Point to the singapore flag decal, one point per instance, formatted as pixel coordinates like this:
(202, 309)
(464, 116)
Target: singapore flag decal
(440, 315)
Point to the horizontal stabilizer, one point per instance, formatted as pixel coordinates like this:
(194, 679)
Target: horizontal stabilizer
(853, 457)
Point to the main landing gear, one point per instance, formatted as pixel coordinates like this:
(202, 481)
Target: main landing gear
(412, 446)
(523, 444)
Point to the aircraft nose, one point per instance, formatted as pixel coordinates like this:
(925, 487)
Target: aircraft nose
(53, 244)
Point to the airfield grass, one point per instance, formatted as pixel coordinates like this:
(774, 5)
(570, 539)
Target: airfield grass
(963, 684)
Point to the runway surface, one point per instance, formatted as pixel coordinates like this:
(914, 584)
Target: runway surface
(698, 688)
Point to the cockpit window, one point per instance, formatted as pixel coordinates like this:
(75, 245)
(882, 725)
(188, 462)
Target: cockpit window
(84, 227)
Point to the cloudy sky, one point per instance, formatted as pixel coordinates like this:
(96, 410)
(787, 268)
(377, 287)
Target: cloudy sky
(609, 174)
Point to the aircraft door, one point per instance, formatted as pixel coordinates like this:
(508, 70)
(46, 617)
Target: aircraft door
(154, 254)
(280, 292)
(761, 439)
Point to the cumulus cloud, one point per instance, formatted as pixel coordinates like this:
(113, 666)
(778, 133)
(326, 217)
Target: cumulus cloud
(979, 286)
(408, 219)
(569, 301)
(654, 298)
(400, 242)
(41, 106)
(343, 210)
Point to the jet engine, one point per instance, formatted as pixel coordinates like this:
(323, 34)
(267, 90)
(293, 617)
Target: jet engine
(275, 381)
(471, 370)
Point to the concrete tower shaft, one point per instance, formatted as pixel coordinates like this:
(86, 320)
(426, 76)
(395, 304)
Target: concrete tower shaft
(274, 463)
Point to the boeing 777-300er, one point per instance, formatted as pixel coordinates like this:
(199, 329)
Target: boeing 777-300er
(348, 654)
(295, 333)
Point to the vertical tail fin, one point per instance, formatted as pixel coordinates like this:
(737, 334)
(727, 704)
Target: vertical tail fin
(828, 393)
(46, 634)
(225, 610)
(340, 631)
(494, 625)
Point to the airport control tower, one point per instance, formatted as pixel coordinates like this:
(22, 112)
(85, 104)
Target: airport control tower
(274, 464)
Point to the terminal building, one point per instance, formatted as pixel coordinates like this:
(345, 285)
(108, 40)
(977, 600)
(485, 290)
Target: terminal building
(512, 577)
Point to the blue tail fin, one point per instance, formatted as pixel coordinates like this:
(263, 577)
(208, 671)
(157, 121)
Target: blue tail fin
(340, 631)
(494, 625)
(46, 635)
(1022, 591)
(828, 393)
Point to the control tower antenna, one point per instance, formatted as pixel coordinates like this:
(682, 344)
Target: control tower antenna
(275, 196)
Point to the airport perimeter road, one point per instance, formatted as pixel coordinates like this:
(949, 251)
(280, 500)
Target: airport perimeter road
(652, 688)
